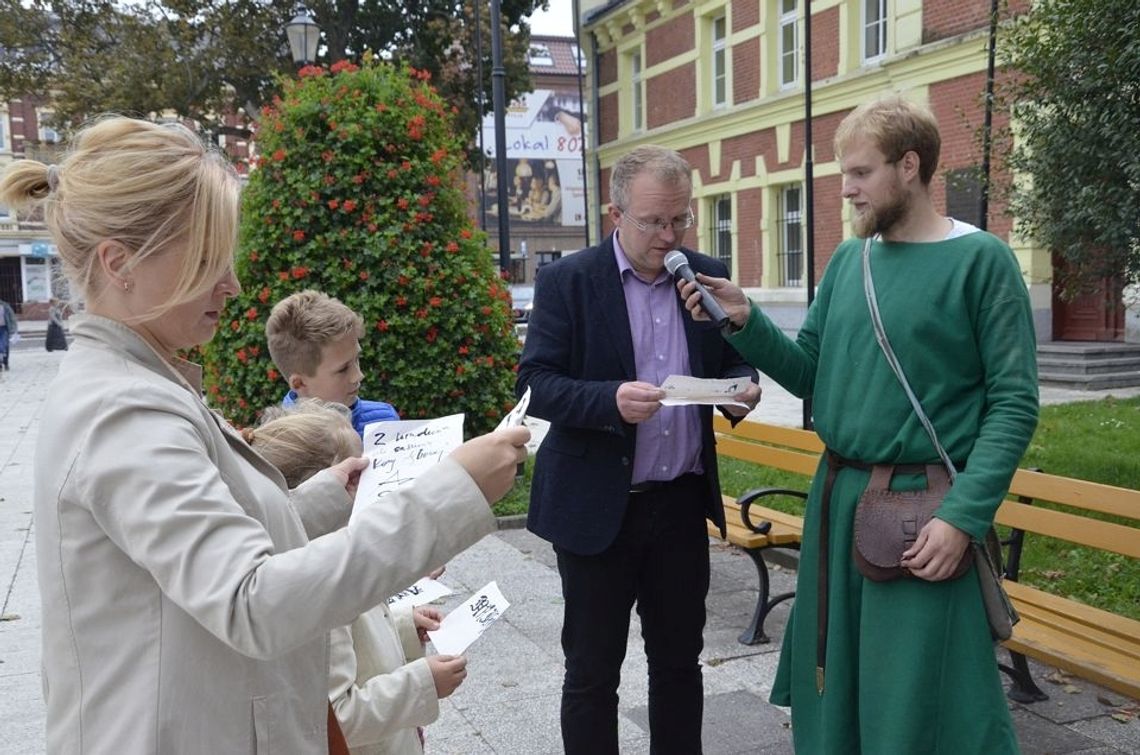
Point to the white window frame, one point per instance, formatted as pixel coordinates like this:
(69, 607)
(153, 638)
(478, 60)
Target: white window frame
(719, 32)
(786, 58)
(784, 245)
(873, 13)
(638, 94)
(5, 146)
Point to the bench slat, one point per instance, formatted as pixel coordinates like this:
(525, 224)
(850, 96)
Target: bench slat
(780, 458)
(805, 440)
(1033, 599)
(1083, 494)
(1078, 656)
(1116, 538)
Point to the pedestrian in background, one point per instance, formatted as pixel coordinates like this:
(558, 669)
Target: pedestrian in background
(56, 338)
(9, 331)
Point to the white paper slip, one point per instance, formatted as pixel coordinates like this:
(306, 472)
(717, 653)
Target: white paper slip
(424, 591)
(516, 416)
(400, 451)
(467, 623)
(682, 390)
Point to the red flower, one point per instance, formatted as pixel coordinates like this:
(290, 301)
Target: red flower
(465, 233)
(279, 155)
(271, 374)
(344, 65)
(406, 165)
(251, 313)
(311, 71)
(485, 310)
(358, 179)
(435, 301)
(463, 350)
(381, 108)
(363, 275)
(439, 155)
(402, 203)
(349, 205)
(300, 271)
(254, 256)
(243, 403)
(328, 156)
(452, 247)
(393, 174)
(235, 325)
(432, 333)
(242, 356)
(283, 276)
(263, 295)
(254, 350)
(425, 199)
(422, 313)
(298, 235)
(382, 326)
(333, 204)
(459, 369)
(372, 228)
(401, 301)
(433, 180)
(402, 280)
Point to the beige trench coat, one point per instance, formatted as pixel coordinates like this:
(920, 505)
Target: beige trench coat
(184, 609)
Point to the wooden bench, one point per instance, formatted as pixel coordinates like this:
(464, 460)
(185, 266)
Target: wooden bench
(1087, 642)
(751, 526)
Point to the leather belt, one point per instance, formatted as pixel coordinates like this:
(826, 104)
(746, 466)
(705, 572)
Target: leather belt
(649, 486)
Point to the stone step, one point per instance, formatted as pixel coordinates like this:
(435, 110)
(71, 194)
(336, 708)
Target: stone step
(1090, 382)
(1088, 349)
(1070, 366)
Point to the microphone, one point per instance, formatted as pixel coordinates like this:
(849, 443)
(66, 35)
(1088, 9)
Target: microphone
(677, 265)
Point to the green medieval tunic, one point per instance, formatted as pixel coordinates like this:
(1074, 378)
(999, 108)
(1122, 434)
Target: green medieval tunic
(910, 667)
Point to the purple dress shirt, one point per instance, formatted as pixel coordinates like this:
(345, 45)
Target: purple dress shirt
(669, 442)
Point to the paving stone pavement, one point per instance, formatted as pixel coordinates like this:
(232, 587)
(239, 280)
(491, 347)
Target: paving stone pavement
(509, 703)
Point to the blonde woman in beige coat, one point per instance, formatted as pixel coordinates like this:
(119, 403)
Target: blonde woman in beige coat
(184, 608)
(381, 686)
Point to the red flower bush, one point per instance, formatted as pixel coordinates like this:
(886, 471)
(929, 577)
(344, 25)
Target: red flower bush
(361, 199)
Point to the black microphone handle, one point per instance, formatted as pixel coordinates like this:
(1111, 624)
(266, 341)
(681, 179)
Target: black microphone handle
(711, 306)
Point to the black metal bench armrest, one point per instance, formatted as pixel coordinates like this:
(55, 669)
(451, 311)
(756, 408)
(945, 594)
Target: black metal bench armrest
(1013, 544)
(745, 501)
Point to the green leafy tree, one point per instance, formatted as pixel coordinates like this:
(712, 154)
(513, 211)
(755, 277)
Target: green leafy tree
(200, 59)
(1075, 99)
(358, 194)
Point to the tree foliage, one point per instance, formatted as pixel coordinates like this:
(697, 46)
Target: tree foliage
(358, 194)
(1075, 100)
(201, 58)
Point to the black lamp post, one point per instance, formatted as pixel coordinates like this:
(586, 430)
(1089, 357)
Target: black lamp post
(304, 35)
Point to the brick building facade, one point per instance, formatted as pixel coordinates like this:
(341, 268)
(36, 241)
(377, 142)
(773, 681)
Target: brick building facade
(721, 81)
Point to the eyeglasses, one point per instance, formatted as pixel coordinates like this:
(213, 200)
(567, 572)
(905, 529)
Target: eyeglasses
(677, 224)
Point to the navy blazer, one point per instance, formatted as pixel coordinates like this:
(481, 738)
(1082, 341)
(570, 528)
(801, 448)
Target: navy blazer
(578, 351)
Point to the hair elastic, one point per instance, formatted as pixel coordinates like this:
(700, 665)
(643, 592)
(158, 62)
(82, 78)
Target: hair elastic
(53, 177)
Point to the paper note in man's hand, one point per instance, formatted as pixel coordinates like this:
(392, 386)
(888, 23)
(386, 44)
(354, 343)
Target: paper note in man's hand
(681, 390)
(399, 452)
(467, 623)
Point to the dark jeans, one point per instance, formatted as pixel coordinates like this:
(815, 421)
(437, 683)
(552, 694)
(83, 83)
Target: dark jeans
(660, 561)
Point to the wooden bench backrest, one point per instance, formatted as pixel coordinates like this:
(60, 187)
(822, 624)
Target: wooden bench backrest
(785, 448)
(798, 451)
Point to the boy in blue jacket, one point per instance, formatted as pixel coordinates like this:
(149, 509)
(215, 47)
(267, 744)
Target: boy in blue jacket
(314, 340)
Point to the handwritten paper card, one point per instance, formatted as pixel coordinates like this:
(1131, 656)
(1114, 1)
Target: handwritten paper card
(516, 416)
(467, 623)
(424, 591)
(681, 390)
(399, 452)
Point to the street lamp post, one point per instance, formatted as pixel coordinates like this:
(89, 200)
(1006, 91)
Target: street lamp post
(304, 35)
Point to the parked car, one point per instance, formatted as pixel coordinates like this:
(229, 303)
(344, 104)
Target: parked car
(522, 301)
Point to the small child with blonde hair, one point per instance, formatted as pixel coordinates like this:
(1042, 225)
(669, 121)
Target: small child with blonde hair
(380, 697)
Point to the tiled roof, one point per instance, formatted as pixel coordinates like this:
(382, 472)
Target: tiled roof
(561, 53)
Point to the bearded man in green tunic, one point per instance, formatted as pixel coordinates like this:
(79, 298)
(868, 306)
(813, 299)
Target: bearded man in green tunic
(910, 666)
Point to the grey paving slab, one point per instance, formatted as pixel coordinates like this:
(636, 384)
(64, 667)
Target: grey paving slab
(1038, 735)
(1123, 735)
(736, 722)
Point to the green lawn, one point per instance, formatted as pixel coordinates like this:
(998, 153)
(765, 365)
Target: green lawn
(1092, 440)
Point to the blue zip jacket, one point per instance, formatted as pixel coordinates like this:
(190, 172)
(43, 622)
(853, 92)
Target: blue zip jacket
(363, 412)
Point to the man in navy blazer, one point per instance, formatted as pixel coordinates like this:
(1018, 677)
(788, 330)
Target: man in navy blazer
(622, 486)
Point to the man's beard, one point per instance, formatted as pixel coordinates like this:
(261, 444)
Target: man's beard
(879, 221)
